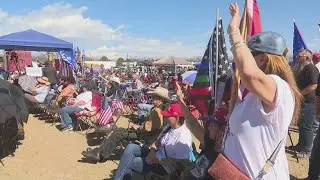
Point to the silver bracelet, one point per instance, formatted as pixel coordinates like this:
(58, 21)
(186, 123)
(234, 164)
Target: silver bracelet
(237, 45)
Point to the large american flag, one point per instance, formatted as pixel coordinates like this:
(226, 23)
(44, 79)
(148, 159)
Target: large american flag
(106, 115)
(205, 81)
(223, 62)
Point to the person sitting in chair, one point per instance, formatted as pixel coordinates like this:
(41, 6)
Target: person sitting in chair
(68, 90)
(136, 87)
(112, 92)
(80, 103)
(174, 142)
(39, 93)
(152, 126)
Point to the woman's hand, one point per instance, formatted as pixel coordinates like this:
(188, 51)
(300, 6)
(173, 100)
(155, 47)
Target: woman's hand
(178, 91)
(235, 17)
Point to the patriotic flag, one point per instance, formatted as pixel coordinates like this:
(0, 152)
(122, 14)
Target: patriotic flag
(143, 98)
(117, 104)
(319, 25)
(249, 26)
(251, 20)
(298, 42)
(201, 91)
(106, 115)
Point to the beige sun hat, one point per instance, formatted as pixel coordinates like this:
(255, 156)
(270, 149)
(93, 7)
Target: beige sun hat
(43, 80)
(161, 92)
(115, 79)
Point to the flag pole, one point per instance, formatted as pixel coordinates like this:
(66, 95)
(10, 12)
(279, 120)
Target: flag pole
(217, 59)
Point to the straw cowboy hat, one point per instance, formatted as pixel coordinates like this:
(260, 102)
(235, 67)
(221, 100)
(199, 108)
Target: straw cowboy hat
(115, 79)
(161, 92)
(43, 80)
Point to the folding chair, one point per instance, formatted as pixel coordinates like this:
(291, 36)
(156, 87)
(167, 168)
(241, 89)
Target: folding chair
(292, 129)
(91, 116)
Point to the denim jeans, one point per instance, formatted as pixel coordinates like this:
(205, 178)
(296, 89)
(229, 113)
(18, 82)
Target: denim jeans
(314, 162)
(308, 126)
(66, 113)
(132, 160)
(109, 144)
(142, 110)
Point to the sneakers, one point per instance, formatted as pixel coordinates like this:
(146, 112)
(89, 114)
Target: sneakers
(66, 129)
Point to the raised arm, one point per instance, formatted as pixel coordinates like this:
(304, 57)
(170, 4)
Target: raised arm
(192, 123)
(255, 80)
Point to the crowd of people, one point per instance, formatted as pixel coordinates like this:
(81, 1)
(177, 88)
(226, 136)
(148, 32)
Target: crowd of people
(248, 143)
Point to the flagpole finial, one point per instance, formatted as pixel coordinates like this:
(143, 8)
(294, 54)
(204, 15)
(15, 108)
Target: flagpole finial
(293, 20)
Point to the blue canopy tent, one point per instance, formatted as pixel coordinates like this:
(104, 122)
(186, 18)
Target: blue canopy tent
(31, 40)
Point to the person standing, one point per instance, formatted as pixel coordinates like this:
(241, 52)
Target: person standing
(307, 76)
(314, 161)
(316, 60)
(50, 72)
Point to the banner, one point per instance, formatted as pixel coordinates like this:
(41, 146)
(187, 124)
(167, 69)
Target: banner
(34, 71)
(68, 57)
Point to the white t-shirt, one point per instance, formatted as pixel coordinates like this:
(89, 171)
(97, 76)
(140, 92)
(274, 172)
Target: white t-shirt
(255, 134)
(86, 97)
(41, 93)
(178, 143)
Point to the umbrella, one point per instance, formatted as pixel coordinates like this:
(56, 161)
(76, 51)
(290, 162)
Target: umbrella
(189, 76)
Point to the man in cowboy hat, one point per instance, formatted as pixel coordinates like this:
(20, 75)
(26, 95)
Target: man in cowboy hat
(159, 93)
(112, 92)
(39, 93)
(151, 128)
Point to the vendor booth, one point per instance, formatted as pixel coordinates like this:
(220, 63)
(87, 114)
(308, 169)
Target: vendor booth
(31, 40)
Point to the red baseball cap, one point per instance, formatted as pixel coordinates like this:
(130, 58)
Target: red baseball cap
(316, 57)
(173, 110)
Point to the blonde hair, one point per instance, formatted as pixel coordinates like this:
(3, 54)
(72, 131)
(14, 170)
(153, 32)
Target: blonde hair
(279, 65)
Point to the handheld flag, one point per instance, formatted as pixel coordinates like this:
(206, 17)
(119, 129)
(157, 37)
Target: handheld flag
(200, 93)
(298, 42)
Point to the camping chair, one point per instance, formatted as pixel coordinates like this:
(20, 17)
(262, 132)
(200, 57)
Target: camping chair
(89, 117)
(293, 129)
(42, 108)
(175, 168)
(105, 131)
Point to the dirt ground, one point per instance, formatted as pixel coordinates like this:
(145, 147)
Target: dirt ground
(47, 153)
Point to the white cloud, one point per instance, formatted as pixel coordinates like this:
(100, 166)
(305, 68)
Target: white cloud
(70, 23)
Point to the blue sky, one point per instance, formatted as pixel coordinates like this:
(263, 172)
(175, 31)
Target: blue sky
(177, 26)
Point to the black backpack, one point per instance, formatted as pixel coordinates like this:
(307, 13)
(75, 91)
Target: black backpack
(13, 111)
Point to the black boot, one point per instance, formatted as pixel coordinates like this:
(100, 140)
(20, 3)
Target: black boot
(92, 155)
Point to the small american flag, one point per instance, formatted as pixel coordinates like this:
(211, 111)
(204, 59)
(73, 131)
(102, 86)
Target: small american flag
(117, 104)
(143, 98)
(106, 115)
